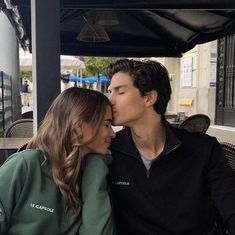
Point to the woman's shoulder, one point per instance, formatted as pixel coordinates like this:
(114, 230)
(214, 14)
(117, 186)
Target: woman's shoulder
(20, 164)
(28, 156)
(97, 158)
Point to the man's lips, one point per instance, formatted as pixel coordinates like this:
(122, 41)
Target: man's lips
(114, 110)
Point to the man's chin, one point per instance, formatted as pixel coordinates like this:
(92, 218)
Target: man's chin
(116, 123)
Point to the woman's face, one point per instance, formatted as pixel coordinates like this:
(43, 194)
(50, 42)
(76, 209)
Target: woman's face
(102, 141)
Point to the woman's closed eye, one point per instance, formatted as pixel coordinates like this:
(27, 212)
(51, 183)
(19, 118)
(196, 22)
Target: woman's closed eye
(107, 123)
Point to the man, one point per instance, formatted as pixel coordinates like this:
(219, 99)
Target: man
(163, 180)
(25, 93)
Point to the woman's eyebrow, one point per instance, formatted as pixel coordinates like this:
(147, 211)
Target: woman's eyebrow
(108, 120)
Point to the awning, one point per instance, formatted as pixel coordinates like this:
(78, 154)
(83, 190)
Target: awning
(144, 28)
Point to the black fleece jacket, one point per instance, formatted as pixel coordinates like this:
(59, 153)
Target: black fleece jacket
(185, 186)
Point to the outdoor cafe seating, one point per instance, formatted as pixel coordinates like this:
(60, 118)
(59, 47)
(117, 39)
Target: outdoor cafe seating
(20, 128)
(193, 123)
(175, 119)
(16, 135)
(196, 123)
(28, 114)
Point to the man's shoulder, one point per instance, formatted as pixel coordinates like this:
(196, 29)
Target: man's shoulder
(195, 139)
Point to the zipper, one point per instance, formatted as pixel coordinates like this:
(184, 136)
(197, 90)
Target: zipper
(148, 171)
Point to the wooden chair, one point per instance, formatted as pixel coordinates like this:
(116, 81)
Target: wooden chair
(196, 123)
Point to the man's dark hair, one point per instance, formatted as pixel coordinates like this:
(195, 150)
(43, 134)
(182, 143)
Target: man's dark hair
(147, 75)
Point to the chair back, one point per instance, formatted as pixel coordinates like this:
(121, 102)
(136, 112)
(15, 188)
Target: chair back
(229, 151)
(196, 123)
(20, 128)
(27, 115)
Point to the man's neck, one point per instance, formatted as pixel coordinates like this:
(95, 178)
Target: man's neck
(150, 136)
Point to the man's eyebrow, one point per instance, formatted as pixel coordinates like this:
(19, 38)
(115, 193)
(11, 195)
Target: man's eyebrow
(118, 87)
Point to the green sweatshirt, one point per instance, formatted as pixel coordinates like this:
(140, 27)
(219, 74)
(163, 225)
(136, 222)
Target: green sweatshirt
(31, 203)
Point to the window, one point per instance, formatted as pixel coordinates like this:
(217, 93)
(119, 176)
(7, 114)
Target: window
(186, 72)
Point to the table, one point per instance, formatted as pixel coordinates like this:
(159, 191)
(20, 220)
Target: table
(175, 123)
(9, 145)
(12, 143)
(170, 116)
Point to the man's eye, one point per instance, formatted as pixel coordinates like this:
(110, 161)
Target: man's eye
(121, 92)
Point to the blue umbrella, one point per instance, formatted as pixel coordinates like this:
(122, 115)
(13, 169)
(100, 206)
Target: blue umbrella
(73, 78)
(90, 79)
(104, 78)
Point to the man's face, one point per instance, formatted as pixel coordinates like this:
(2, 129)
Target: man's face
(127, 103)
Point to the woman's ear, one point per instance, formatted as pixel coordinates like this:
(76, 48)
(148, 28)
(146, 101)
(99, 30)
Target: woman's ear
(151, 98)
(78, 129)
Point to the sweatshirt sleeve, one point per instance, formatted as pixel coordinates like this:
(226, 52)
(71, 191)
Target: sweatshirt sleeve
(12, 174)
(221, 180)
(97, 215)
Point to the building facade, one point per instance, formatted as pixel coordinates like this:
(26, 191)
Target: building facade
(203, 81)
(9, 62)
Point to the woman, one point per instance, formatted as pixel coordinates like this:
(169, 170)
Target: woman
(54, 186)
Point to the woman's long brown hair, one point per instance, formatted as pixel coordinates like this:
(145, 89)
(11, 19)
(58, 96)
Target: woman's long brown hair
(58, 140)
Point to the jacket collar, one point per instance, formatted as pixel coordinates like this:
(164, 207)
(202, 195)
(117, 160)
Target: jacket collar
(124, 143)
(172, 140)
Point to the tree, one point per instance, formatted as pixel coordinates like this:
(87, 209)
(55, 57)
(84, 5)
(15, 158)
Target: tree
(96, 65)
(26, 74)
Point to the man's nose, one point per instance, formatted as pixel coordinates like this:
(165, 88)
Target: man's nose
(111, 98)
(112, 134)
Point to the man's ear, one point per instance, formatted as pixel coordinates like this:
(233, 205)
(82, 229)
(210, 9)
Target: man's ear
(151, 98)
